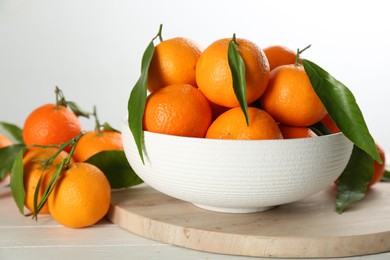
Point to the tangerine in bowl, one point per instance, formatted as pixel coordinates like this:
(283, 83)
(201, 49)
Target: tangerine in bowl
(238, 176)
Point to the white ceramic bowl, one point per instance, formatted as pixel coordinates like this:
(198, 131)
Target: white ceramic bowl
(238, 176)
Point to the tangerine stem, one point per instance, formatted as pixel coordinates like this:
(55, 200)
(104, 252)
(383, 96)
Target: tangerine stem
(234, 39)
(60, 98)
(57, 91)
(299, 53)
(159, 34)
(72, 143)
(97, 122)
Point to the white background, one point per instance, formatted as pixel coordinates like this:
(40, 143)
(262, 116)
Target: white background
(92, 49)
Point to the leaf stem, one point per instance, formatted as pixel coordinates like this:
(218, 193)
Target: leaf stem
(60, 98)
(159, 34)
(97, 122)
(299, 53)
(234, 39)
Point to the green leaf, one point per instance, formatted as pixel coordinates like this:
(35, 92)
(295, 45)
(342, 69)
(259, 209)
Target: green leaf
(353, 182)
(237, 68)
(12, 132)
(342, 108)
(17, 185)
(116, 168)
(386, 176)
(8, 155)
(76, 109)
(108, 127)
(137, 101)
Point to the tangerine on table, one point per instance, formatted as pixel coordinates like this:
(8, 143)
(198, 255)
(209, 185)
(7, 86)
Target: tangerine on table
(50, 125)
(96, 141)
(173, 62)
(32, 171)
(81, 196)
(291, 132)
(214, 78)
(232, 125)
(179, 109)
(290, 98)
(278, 55)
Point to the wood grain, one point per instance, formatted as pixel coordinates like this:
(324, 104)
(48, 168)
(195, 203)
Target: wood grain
(307, 228)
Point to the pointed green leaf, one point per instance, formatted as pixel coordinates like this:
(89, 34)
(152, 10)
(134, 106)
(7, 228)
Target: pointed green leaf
(7, 158)
(137, 100)
(342, 108)
(237, 67)
(116, 168)
(77, 110)
(17, 185)
(353, 182)
(108, 127)
(12, 132)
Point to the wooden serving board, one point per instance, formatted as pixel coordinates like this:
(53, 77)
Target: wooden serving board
(307, 228)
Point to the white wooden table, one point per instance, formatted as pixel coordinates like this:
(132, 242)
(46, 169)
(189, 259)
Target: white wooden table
(24, 238)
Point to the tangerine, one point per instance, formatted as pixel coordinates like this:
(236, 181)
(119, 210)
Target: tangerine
(291, 132)
(278, 55)
(50, 124)
(173, 62)
(232, 125)
(214, 78)
(33, 170)
(81, 196)
(96, 141)
(179, 109)
(290, 98)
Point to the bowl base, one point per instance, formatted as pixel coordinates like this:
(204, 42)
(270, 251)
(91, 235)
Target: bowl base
(233, 210)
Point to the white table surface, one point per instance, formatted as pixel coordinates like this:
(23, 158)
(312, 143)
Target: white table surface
(24, 238)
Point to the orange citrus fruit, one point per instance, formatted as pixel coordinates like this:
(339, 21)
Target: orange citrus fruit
(232, 125)
(179, 109)
(32, 170)
(96, 141)
(290, 98)
(173, 62)
(214, 78)
(49, 125)
(81, 196)
(278, 55)
(4, 141)
(291, 132)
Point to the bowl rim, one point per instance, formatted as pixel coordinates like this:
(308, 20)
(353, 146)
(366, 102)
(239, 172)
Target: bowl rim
(177, 137)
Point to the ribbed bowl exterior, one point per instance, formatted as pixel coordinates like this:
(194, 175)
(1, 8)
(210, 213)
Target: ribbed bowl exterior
(238, 175)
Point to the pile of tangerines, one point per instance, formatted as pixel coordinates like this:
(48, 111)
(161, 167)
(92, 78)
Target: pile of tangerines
(192, 94)
(53, 137)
